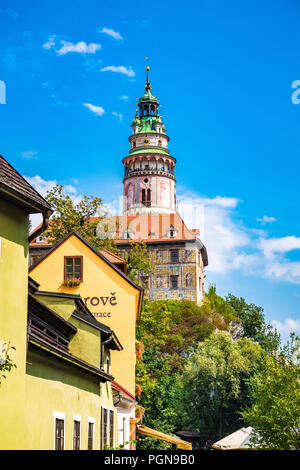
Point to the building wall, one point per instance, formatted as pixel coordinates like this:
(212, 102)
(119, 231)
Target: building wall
(13, 320)
(110, 297)
(189, 269)
(124, 416)
(52, 386)
(163, 194)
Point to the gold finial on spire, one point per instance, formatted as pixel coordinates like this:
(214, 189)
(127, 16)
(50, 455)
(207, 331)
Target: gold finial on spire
(148, 86)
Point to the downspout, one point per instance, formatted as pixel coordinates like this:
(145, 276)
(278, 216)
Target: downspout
(36, 233)
(103, 344)
(120, 398)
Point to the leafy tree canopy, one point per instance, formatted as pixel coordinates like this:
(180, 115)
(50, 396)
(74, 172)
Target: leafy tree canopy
(84, 217)
(254, 324)
(275, 412)
(213, 382)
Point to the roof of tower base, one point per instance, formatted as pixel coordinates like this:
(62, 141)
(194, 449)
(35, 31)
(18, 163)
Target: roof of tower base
(156, 228)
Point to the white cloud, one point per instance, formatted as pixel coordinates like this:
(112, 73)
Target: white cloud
(80, 47)
(50, 43)
(266, 220)
(118, 115)
(119, 69)
(124, 97)
(29, 154)
(222, 237)
(43, 186)
(112, 33)
(232, 245)
(98, 110)
(271, 246)
(289, 325)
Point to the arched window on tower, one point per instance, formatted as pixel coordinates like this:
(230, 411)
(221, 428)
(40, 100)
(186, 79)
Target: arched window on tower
(146, 197)
(159, 143)
(148, 202)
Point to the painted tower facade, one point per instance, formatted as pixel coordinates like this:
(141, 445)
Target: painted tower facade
(150, 212)
(149, 176)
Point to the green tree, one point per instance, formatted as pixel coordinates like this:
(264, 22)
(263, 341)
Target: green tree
(169, 333)
(6, 363)
(254, 324)
(213, 383)
(84, 217)
(138, 261)
(275, 413)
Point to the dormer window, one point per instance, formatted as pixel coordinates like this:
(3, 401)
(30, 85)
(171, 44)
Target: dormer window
(171, 232)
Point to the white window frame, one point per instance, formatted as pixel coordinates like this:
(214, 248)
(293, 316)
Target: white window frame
(93, 421)
(58, 415)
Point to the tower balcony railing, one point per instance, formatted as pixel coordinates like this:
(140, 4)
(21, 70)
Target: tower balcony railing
(149, 171)
(149, 147)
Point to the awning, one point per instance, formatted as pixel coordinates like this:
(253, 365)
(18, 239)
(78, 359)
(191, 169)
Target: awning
(238, 440)
(163, 437)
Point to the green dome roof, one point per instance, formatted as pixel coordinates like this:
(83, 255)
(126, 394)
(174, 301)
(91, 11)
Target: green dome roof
(147, 96)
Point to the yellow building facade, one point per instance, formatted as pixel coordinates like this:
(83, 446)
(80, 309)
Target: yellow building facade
(15, 207)
(59, 395)
(69, 399)
(108, 293)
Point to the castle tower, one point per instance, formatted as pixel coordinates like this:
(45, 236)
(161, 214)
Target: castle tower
(149, 177)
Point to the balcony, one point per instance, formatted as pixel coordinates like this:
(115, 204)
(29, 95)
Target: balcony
(148, 171)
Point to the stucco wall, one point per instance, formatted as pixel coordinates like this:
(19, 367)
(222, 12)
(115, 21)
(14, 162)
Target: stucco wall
(52, 386)
(13, 320)
(111, 299)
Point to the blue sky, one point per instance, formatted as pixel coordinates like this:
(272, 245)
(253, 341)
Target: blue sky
(223, 72)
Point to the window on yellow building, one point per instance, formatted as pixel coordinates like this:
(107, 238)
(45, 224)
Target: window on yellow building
(104, 423)
(76, 435)
(111, 428)
(73, 268)
(90, 435)
(59, 434)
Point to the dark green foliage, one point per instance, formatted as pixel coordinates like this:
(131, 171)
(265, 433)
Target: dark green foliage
(6, 364)
(84, 217)
(275, 410)
(190, 378)
(253, 322)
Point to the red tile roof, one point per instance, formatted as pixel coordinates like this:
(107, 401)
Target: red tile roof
(116, 386)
